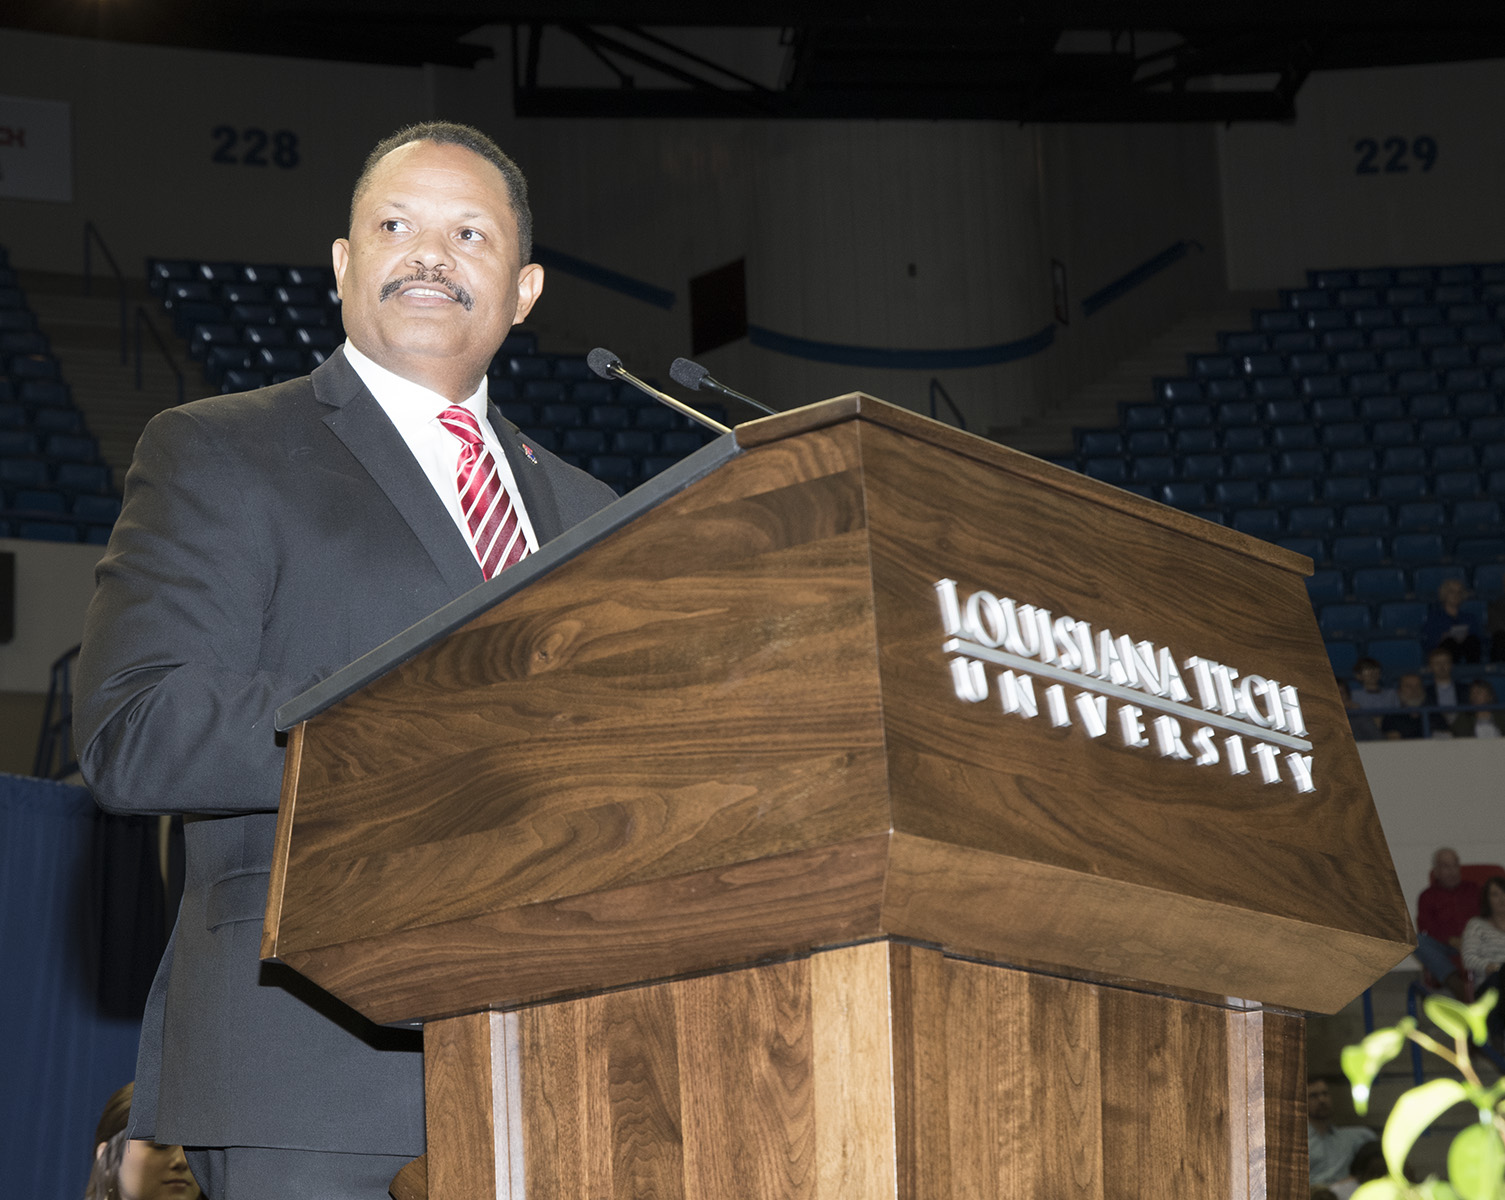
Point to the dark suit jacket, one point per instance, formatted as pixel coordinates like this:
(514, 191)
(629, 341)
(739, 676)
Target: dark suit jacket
(266, 539)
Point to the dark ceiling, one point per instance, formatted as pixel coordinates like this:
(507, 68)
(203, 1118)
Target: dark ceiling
(1093, 60)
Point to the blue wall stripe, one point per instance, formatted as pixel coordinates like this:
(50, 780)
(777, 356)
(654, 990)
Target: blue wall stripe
(558, 260)
(901, 360)
(1128, 282)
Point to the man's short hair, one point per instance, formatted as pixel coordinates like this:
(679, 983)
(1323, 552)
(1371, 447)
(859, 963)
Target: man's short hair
(450, 133)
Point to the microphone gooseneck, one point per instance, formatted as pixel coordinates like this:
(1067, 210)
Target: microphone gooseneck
(607, 365)
(690, 374)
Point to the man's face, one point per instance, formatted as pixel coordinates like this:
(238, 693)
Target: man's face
(1441, 663)
(429, 277)
(1319, 1101)
(1412, 691)
(1369, 676)
(1445, 869)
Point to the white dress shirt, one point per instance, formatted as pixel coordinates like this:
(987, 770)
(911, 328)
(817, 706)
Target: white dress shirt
(415, 410)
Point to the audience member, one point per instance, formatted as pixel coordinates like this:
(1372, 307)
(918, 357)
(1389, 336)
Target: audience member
(1366, 690)
(1484, 947)
(127, 1169)
(1410, 693)
(1488, 724)
(1444, 691)
(1452, 627)
(1330, 1148)
(1496, 622)
(1368, 1163)
(1444, 909)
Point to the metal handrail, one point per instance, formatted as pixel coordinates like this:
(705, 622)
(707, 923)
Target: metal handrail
(54, 759)
(143, 318)
(937, 388)
(92, 235)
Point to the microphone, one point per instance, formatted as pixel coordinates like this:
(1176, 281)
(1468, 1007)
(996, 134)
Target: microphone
(695, 377)
(607, 365)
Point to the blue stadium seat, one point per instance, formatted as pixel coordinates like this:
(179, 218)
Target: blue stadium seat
(1456, 485)
(1154, 469)
(1350, 362)
(1417, 381)
(1436, 337)
(1463, 379)
(1237, 413)
(1486, 428)
(1401, 619)
(263, 273)
(16, 443)
(1475, 403)
(1486, 333)
(1393, 433)
(1333, 341)
(1377, 317)
(1305, 298)
(1191, 416)
(1396, 656)
(1243, 438)
(1346, 489)
(1236, 493)
(1316, 386)
(1494, 483)
(1251, 465)
(314, 338)
(264, 335)
(1196, 441)
(72, 447)
(99, 510)
(1366, 518)
(1343, 657)
(1263, 364)
(1353, 297)
(1187, 494)
(1144, 416)
(1358, 550)
(616, 469)
(244, 293)
(293, 296)
(1489, 580)
(1325, 586)
(1284, 492)
(1258, 522)
(253, 314)
(1202, 466)
(1452, 458)
(242, 381)
(1336, 408)
(597, 391)
(1175, 391)
(1479, 549)
(1315, 549)
(1331, 279)
(75, 477)
(1301, 462)
(541, 391)
(314, 316)
(1395, 459)
(521, 414)
(582, 441)
(1146, 441)
(1293, 437)
(1403, 357)
(47, 531)
(280, 360)
(1311, 519)
(1440, 429)
(1344, 621)
(1243, 342)
(1373, 584)
(1417, 548)
(572, 367)
(1277, 320)
(1476, 517)
(1324, 319)
(1424, 406)
(39, 501)
(1397, 488)
(1420, 516)
(561, 414)
(1343, 434)
(1233, 389)
(1307, 363)
(686, 441)
(1212, 366)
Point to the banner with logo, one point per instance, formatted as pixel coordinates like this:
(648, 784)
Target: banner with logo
(36, 149)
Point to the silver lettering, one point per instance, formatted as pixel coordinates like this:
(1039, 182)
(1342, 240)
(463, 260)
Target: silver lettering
(1018, 694)
(1168, 738)
(1131, 723)
(968, 679)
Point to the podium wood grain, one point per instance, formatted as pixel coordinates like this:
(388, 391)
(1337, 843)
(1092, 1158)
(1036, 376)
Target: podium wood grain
(728, 732)
(889, 1070)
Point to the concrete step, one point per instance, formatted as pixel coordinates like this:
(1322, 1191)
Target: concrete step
(1096, 404)
(83, 325)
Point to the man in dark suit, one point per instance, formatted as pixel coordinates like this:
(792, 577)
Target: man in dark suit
(266, 539)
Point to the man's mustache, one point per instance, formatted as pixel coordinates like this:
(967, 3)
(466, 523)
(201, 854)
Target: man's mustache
(390, 289)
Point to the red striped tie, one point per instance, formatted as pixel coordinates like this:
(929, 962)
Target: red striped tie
(495, 532)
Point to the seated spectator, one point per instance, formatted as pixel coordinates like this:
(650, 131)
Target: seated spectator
(1364, 727)
(1484, 948)
(1443, 910)
(1368, 1163)
(1330, 1148)
(1496, 622)
(130, 1169)
(1410, 693)
(1366, 690)
(1444, 691)
(1488, 724)
(1451, 627)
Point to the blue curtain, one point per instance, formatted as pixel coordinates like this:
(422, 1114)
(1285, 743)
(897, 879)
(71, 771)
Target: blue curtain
(64, 1054)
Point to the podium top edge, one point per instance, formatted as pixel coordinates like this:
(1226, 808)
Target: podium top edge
(859, 406)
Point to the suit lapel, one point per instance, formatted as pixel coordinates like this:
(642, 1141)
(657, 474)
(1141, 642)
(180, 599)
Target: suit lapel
(359, 422)
(533, 489)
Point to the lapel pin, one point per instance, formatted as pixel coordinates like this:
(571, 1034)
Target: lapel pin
(528, 450)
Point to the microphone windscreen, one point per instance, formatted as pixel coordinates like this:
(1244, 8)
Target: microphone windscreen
(687, 374)
(602, 362)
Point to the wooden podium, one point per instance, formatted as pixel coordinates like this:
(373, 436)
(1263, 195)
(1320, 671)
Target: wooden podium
(860, 809)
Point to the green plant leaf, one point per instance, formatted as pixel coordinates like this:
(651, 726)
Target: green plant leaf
(1449, 1015)
(1477, 1015)
(1476, 1163)
(1413, 1112)
(1382, 1189)
(1364, 1061)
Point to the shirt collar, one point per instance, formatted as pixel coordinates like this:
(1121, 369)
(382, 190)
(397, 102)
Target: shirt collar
(407, 402)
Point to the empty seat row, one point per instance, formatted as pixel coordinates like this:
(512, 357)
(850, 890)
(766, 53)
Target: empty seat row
(1323, 320)
(1377, 340)
(1465, 518)
(46, 502)
(1185, 407)
(1394, 583)
(1366, 363)
(67, 477)
(1350, 621)
(41, 420)
(636, 443)
(1454, 304)
(1348, 480)
(1310, 388)
(161, 272)
(1424, 276)
(1449, 443)
(60, 447)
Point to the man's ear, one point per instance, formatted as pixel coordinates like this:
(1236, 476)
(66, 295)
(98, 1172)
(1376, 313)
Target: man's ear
(340, 254)
(529, 286)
